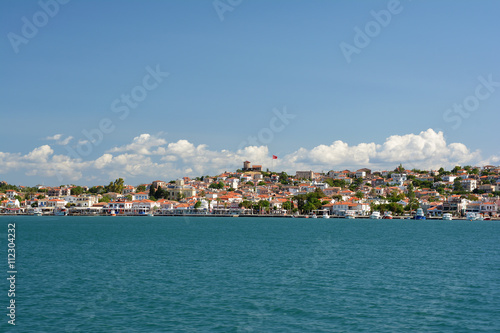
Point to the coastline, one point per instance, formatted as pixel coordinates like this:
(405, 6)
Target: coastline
(433, 218)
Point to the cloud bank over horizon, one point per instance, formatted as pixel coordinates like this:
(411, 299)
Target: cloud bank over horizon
(149, 157)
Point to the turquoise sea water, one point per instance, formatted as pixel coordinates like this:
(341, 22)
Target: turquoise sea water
(174, 274)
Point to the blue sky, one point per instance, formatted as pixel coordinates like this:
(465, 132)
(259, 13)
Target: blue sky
(228, 78)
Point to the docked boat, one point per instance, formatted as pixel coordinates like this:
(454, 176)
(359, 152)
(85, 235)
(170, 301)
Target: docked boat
(387, 215)
(112, 213)
(60, 212)
(314, 216)
(326, 216)
(447, 217)
(420, 214)
(471, 216)
(349, 214)
(375, 215)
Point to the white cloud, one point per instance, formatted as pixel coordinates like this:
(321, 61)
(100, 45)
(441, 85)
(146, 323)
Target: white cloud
(141, 145)
(58, 137)
(149, 156)
(65, 141)
(54, 137)
(40, 154)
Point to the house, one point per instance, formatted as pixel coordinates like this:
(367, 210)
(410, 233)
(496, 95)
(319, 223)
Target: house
(489, 208)
(119, 207)
(360, 174)
(339, 208)
(114, 196)
(158, 183)
(304, 175)
(398, 179)
(140, 196)
(11, 194)
(11, 203)
(449, 178)
(59, 191)
(178, 190)
(56, 203)
(86, 201)
(469, 184)
(454, 204)
(144, 206)
(247, 167)
(488, 188)
(128, 189)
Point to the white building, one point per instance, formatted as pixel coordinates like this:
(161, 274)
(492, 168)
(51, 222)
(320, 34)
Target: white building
(398, 179)
(469, 184)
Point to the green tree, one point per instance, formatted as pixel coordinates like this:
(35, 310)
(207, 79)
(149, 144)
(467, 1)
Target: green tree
(457, 185)
(105, 198)
(359, 195)
(160, 193)
(214, 185)
(261, 183)
(141, 188)
(197, 205)
(152, 193)
(76, 190)
(287, 205)
(116, 186)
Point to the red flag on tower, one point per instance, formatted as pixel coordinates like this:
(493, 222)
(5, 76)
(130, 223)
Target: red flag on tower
(275, 157)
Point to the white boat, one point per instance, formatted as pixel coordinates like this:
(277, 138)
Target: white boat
(471, 216)
(387, 215)
(419, 215)
(326, 216)
(375, 215)
(349, 214)
(447, 217)
(314, 216)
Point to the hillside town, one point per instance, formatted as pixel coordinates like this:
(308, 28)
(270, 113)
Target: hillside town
(252, 191)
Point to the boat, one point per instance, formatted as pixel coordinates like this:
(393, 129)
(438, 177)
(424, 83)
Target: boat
(151, 214)
(472, 216)
(314, 216)
(326, 216)
(420, 214)
(447, 217)
(60, 212)
(387, 215)
(375, 215)
(349, 214)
